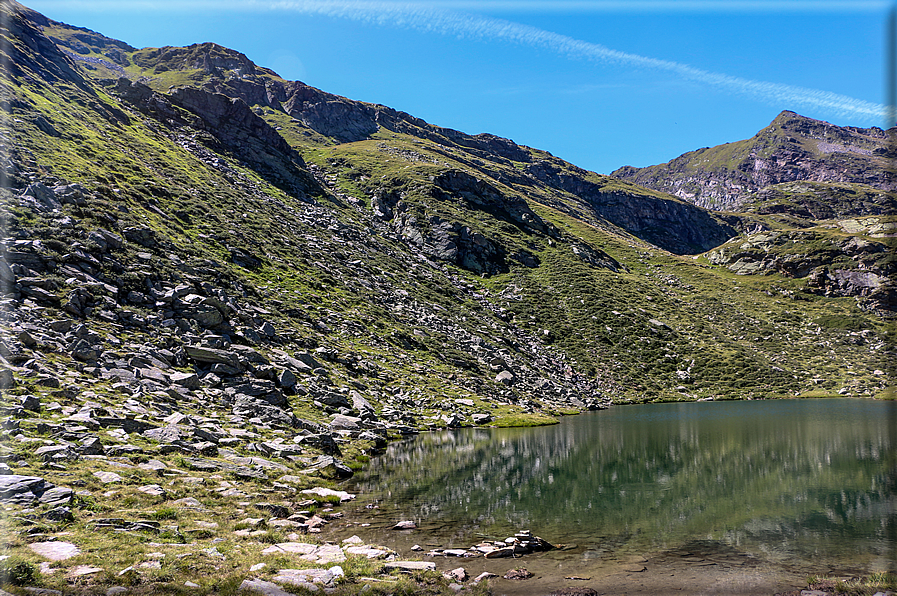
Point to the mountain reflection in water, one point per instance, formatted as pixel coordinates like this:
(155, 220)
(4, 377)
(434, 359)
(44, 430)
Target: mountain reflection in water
(798, 480)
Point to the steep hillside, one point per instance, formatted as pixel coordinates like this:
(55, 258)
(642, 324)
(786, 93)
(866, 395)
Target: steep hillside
(792, 148)
(240, 287)
(801, 185)
(314, 117)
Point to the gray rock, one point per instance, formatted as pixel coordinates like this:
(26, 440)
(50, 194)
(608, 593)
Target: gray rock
(59, 514)
(308, 360)
(30, 402)
(57, 453)
(153, 490)
(188, 380)
(411, 565)
(108, 477)
(91, 446)
(84, 351)
(286, 379)
(212, 356)
(260, 389)
(329, 466)
(505, 378)
(129, 425)
(337, 400)
(206, 448)
(165, 434)
(141, 235)
(55, 551)
(57, 496)
(341, 422)
(451, 420)
(45, 198)
(323, 441)
(360, 404)
(263, 587)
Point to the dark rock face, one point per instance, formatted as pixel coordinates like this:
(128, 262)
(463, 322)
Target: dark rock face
(791, 148)
(676, 226)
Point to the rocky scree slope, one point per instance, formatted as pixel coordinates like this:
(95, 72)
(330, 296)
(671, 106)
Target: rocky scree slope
(211, 295)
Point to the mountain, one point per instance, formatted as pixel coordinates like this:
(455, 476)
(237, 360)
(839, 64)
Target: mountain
(817, 203)
(212, 273)
(792, 148)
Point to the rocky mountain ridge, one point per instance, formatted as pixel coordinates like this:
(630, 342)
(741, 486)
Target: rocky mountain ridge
(330, 118)
(792, 148)
(809, 194)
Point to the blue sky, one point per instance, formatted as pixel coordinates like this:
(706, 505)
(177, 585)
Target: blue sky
(600, 83)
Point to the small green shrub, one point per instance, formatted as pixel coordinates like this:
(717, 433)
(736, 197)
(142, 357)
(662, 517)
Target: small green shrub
(164, 513)
(17, 572)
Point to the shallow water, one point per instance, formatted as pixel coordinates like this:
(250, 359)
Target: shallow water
(811, 484)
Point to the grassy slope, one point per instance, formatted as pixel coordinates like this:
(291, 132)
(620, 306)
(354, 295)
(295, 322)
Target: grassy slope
(708, 311)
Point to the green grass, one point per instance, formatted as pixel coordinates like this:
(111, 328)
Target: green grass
(523, 420)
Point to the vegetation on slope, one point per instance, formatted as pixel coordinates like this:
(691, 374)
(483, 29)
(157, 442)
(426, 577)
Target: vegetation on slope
(280, 300)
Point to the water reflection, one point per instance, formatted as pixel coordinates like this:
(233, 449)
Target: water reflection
(809, 480)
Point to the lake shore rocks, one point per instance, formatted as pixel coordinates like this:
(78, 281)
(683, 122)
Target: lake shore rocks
(522, 543)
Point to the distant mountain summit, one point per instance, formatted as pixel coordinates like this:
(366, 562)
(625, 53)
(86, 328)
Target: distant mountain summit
(792, 148)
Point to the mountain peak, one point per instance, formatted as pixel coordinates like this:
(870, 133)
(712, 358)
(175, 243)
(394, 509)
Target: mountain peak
(792, 147)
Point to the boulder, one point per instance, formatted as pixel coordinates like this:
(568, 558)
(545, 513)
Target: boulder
(212, 356)
(22, 490)
(411, 565)
(341, 422)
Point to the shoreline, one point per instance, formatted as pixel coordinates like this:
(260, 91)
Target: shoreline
(617, 574)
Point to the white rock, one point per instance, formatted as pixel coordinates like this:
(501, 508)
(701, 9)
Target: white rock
(55, 551)
(327, 492)
(263, 587)
(411, 565)
(482, 576)
(84, 570)
(107, 477)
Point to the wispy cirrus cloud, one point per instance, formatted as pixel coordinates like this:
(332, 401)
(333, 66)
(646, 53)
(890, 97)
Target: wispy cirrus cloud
(444, 17)
(426, 17)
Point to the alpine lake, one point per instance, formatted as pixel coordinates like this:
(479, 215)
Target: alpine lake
(718, 497)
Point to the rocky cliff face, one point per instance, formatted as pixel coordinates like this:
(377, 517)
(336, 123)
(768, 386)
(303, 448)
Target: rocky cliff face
(796, 173)
(791, 148)
(676, 226)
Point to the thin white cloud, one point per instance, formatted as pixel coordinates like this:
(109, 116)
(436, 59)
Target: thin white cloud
(422, 16)
(434, 16)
